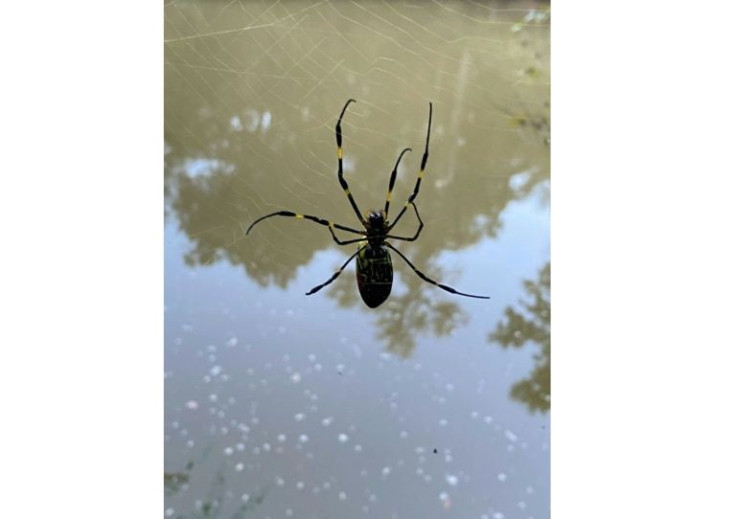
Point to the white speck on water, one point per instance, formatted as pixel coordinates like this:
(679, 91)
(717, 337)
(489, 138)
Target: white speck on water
(386, 471)
(488, 419)
(300, 485)
(169, 512)
(340, 368)
(522, 505)
(403, 435)
(190, 443)
(228, 451)
(299, 417)
(443, 422)
(239, 467)
(498, 515)
(502, 477)
(267, 447)
(445, 498)
(279, 481)
(358, 448)
(282, 329)
(342, 437)
(449, 388)
(193, 405)
(343, 496)
(240, 446)
(296, 378)
(318, 367)
(327, 421)
(529, 490)
(303, 438)
(511, 436)
(312, 357)
(232, 341)
(289, 512)
(451, 479)
(474, 415)
(245, 498)
(213, 397)
(215, 370)
(281, 438)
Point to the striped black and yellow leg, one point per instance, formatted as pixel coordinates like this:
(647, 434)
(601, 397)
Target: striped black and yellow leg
(416, 234)
(331, 226)
(392, 181)
(428, 280)
(334, 276)
(343, 182)
(419, 175)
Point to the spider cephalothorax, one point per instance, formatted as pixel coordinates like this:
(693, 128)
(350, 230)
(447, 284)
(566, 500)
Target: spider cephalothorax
(374, 270)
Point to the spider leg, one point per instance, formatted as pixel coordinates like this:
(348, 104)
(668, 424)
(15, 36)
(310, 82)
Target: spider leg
(331, 226)
(419, 175)
(392, 181)
(428, 280)
(416, 235)
(343, 182)
(337, 273)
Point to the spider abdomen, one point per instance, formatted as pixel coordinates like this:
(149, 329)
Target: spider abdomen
(375, 274)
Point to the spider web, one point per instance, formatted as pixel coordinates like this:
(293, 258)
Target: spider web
(253, 91)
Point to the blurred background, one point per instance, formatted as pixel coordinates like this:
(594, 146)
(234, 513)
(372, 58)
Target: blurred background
(279, 404)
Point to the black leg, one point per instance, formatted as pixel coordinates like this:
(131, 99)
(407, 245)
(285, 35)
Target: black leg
(416, 234)
(331, 226)
(343, 182)
(334, 276)
(428, 280)
(393, 180)
(419, 175)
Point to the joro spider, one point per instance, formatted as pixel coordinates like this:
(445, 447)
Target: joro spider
(374, 270)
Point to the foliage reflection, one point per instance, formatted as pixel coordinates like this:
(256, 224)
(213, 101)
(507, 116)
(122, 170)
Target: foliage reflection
(531, 324)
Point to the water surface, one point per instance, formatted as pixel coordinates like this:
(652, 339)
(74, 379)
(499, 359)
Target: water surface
(285, 405)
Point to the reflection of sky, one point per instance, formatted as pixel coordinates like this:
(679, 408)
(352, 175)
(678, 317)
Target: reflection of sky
(295, 395)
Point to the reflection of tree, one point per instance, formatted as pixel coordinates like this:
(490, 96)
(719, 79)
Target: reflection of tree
(249, 131)
(531, 325)
(404, 316)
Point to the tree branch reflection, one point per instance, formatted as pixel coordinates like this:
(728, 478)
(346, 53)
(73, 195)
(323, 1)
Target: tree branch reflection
(530, 325)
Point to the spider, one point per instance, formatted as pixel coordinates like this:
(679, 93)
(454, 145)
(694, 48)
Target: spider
(374, 270)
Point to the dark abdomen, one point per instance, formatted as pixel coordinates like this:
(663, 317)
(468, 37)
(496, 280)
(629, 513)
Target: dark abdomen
(375, 275)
